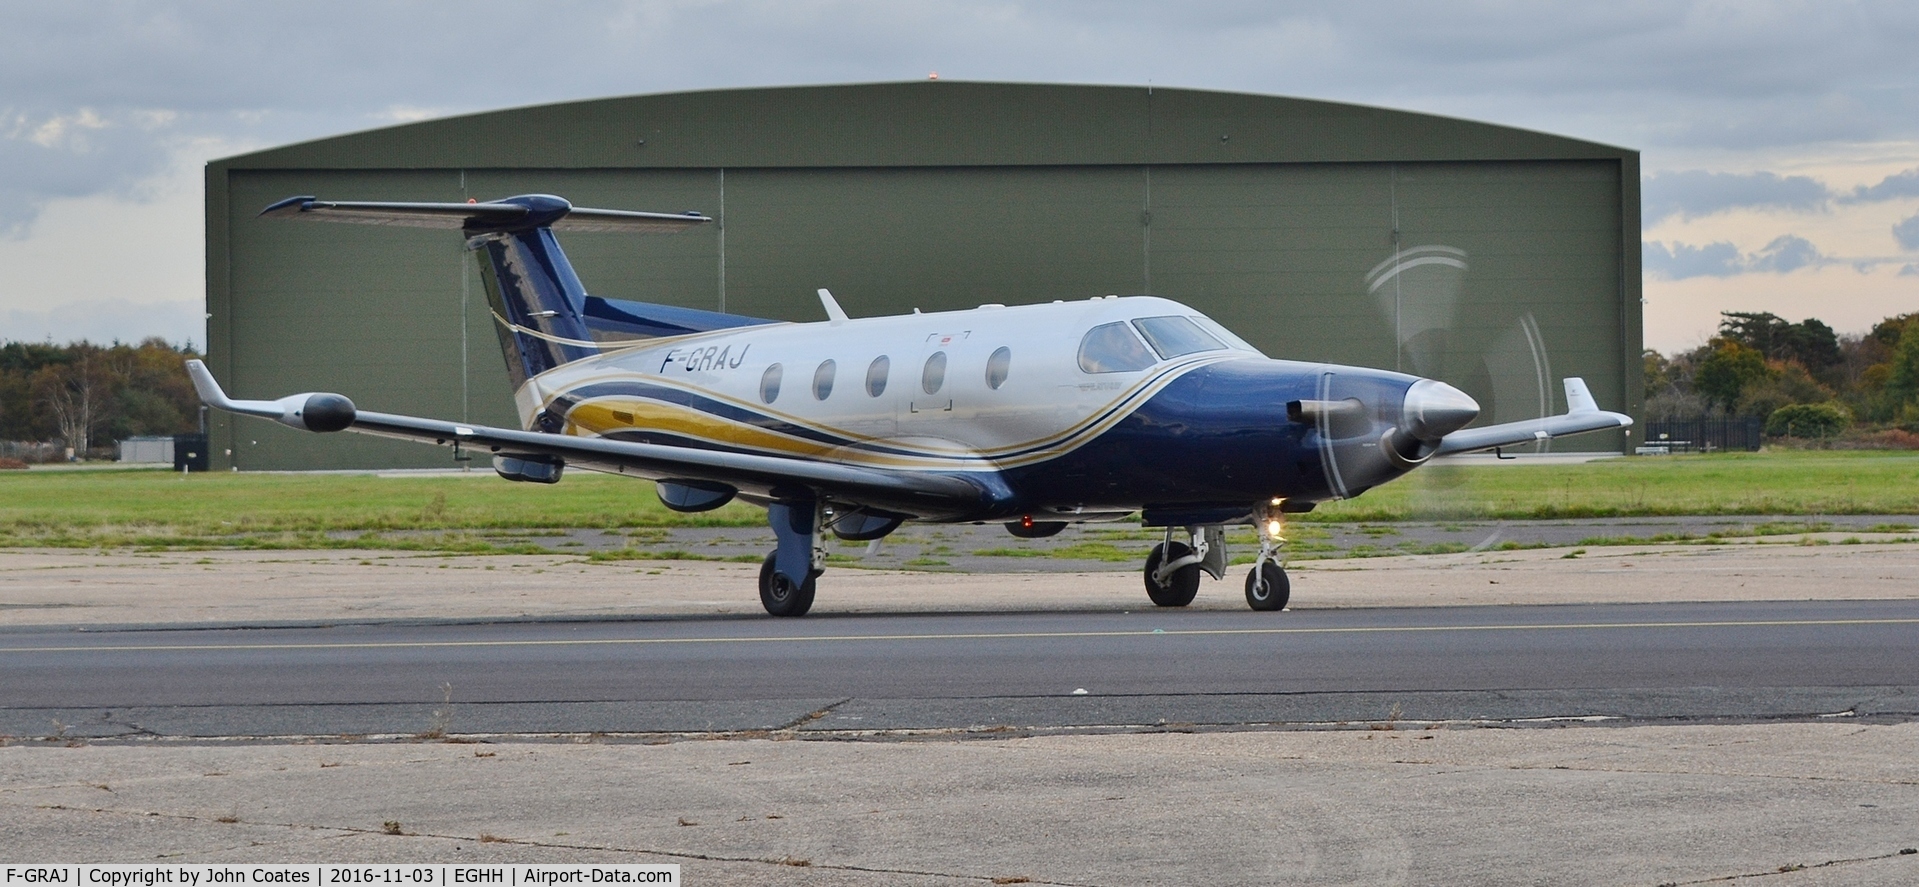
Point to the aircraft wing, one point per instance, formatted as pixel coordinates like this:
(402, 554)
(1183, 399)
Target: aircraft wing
(1582, 414)
(914, 493)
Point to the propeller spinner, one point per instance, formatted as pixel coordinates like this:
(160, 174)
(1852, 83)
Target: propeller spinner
(1431, 410)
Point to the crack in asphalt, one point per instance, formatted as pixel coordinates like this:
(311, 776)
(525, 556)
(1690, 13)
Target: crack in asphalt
(1791, 868)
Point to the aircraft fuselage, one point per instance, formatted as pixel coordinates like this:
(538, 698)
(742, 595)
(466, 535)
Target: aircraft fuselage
(1006, 391)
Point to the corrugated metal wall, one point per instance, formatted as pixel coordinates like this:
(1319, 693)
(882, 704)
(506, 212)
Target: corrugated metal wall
(1508, 276)
(1280, 217)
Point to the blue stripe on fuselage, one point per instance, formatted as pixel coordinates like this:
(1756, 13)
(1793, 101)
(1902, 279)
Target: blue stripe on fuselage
(1217, 436)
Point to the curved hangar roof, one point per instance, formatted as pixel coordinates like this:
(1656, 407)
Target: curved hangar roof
(927, 123)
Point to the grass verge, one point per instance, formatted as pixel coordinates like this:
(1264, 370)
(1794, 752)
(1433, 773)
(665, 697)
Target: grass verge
(468, 514)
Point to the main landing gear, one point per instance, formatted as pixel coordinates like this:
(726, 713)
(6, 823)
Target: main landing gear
(787, 575)
(779, 595)
(1172, 570)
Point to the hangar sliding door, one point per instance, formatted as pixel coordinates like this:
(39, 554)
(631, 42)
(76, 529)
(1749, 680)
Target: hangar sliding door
(1499, 278)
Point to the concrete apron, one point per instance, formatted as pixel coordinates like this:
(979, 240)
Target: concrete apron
(44, 587)
(1632, 805)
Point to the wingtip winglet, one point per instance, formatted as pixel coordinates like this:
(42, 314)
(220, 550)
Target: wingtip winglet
(206, 386)
(1579, 398)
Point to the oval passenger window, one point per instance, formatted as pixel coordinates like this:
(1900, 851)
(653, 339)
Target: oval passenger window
(876, 376)
(935, 373)
(770, 384)
(997, 367)
(823, 380)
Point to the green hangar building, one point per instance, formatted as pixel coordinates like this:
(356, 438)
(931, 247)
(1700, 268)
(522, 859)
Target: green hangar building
(1496, 259)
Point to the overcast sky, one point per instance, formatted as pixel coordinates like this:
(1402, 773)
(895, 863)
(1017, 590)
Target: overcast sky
(1780, 139)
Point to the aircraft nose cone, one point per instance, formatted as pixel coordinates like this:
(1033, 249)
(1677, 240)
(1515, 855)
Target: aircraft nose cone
(1436, 409)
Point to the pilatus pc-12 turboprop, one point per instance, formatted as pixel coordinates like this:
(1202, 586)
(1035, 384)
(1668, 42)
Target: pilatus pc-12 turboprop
(1033, 415)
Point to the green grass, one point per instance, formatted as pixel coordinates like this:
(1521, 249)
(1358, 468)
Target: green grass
(473, 514)
(151, 507)
(1802, 482)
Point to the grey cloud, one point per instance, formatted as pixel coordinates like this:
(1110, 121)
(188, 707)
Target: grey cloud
(1682, 260)
(1892, 187)
(1783, 254)
(1909, 271)
(49, 156)
(1637, 72)
(1678, 261)
(1693, 193)
(1907, 233)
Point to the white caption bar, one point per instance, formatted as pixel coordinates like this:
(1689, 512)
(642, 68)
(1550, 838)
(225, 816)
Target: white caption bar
(432, 875)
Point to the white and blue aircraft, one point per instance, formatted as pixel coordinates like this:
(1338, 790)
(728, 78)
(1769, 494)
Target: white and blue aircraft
(1092, 409)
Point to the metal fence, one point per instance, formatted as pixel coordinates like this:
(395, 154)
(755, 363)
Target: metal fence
(33, 451)
(1705, 435)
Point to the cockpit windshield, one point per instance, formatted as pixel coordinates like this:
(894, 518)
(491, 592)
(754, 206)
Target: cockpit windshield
(1112, 348)
(1173, 336)
(1226, 335)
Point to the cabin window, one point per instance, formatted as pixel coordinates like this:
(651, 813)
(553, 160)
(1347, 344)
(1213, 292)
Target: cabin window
(997, 367)
(1175, 336)
(770, 384)
(876, 376)
(823, 380)
(1112, 348)
(934, 375)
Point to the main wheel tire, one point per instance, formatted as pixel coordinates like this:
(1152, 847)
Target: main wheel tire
(1273, 592)
(1182, 586)
(778, 595)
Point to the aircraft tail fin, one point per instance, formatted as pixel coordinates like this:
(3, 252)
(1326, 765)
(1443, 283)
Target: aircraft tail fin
(540, 309)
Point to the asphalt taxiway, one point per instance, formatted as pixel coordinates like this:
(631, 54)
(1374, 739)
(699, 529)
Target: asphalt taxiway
(948, 671)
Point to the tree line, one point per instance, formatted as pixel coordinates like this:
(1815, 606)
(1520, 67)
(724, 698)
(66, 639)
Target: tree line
(87, 396)
(1801, 378)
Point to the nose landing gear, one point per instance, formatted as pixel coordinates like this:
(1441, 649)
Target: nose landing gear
(1267, 587)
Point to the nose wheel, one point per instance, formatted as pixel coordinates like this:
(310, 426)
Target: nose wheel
(1267, 587)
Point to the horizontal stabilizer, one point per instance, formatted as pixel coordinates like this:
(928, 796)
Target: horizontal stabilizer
(1582, 415)
(525, 212)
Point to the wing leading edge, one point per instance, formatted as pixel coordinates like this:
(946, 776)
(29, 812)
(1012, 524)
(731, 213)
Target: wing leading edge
(921, 494)
(1582, 414)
